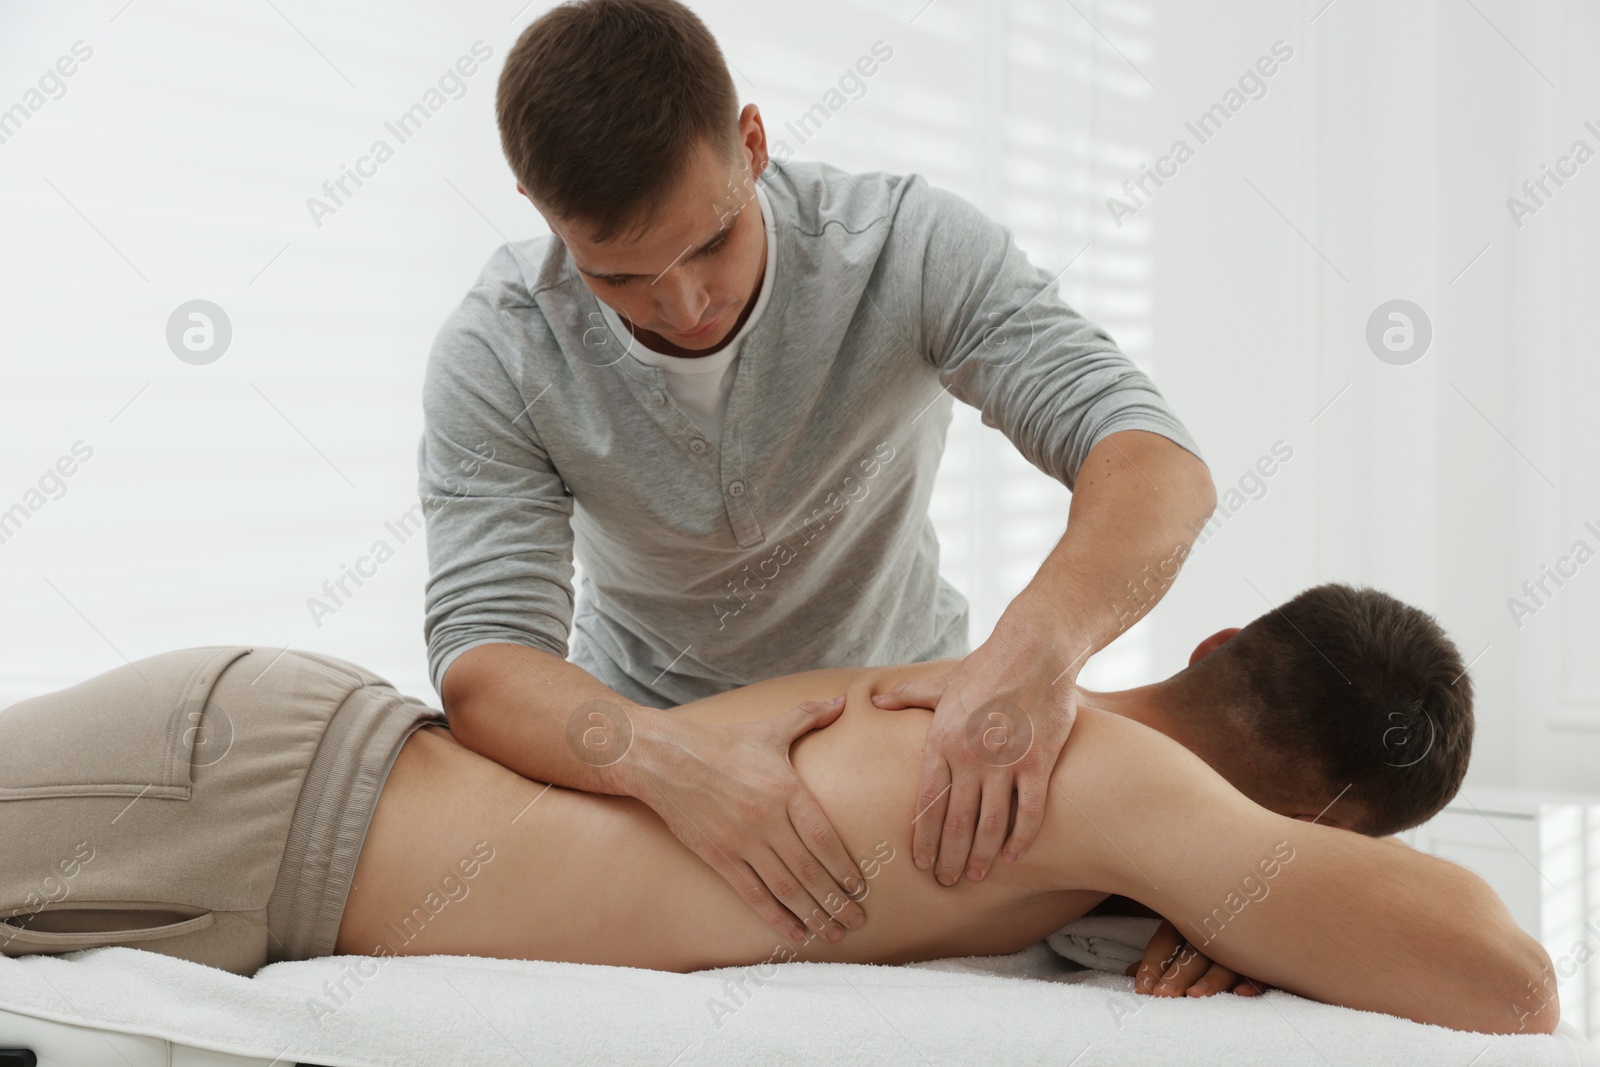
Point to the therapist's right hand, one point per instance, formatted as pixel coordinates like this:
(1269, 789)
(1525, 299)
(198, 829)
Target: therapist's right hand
(728, 791)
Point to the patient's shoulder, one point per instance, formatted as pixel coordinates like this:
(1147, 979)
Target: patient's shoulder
(1116, 741)
(1122, 794)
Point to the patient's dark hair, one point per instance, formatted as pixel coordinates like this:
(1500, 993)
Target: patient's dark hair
(602, 103)
(1342, 687)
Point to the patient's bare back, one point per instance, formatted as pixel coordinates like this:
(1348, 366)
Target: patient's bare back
(466, 857)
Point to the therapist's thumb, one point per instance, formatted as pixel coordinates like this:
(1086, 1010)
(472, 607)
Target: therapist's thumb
(914, 693)
(812, 715)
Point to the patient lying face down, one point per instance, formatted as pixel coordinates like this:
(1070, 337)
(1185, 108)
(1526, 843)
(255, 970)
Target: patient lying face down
(1342, 704)
(1342, 708)
(1377, 743)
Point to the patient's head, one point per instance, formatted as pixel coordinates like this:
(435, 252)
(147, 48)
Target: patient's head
(1338, 687)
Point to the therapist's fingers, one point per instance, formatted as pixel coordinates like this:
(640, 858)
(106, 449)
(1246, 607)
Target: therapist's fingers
(966, 795)
(803, 718)
(933, 798)
(778, 878)
(819, 859)
(1033, 793)
(751, 885)
(912, 693)
(823, 918)
(994, 813)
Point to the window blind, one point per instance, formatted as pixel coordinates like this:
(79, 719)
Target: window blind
(227, 154)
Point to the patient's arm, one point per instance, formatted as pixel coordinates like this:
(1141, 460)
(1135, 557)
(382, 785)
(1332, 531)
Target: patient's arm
(1322, 912)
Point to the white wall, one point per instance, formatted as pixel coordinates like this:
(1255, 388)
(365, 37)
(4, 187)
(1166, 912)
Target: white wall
(178, 164)
(1377, 164)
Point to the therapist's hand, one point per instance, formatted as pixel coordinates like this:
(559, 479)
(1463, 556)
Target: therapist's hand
(1001, 716)
(728, 791)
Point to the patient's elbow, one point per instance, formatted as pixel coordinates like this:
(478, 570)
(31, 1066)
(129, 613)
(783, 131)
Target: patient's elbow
(1535, 1002)
(1501, 980)
(1511, 982)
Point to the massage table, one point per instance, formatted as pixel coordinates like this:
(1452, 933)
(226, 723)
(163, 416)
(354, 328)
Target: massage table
(125, 1007)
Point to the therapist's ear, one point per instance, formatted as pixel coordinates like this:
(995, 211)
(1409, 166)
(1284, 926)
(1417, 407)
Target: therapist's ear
(1210, 644)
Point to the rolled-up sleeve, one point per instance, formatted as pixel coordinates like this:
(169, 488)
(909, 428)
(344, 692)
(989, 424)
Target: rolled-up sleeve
(499, 516)
(1004, 341)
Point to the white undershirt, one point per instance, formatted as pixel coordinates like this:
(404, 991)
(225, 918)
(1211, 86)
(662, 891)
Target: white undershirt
(701, 385)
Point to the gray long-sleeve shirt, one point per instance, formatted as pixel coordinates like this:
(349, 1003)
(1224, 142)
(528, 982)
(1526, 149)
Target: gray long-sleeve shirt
(803, 539)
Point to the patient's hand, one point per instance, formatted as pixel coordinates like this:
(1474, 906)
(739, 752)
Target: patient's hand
(728, 791)
(1172, 968)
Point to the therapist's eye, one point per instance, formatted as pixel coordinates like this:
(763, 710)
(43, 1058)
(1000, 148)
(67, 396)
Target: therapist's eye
(709, 250)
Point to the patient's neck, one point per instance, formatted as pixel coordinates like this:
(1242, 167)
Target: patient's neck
(1160, 707)
(1153, 705)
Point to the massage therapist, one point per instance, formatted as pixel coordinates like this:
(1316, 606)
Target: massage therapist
(723, 384)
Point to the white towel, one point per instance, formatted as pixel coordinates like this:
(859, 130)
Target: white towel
(1104, 942)
(1030, 1007)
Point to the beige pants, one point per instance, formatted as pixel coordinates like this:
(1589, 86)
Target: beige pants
(208, 803)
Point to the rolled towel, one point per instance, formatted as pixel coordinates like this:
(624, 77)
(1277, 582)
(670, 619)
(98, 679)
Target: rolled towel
(1104, 942)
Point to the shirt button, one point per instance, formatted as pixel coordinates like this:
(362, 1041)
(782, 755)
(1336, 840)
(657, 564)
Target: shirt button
(697, 446)
(660, 398)
(736, 488)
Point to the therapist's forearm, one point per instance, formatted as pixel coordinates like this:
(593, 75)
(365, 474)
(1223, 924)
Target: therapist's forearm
(1138, 502)
(520, 707)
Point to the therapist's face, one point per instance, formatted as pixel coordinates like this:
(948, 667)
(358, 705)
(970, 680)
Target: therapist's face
(688, 278)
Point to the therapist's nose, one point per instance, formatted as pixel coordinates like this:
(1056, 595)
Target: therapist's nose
(681, 299)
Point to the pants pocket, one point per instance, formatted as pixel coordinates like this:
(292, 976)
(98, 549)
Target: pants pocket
(94, 924)
(130, 731)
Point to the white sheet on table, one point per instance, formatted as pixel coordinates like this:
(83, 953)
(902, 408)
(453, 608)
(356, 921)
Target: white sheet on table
(1030, 1007)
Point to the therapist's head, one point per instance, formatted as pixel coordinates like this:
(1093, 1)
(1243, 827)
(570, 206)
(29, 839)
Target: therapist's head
(623, 128)
(1342, 699)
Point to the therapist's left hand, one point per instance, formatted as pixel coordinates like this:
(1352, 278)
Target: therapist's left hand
(1001, 717)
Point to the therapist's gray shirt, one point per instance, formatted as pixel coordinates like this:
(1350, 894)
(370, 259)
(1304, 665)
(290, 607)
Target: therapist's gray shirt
(803, 541)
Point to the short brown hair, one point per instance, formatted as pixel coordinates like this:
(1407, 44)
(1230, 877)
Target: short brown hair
(1344, 686)
(602, 103)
